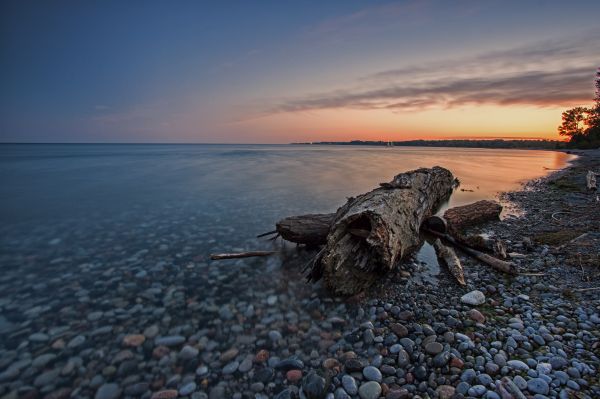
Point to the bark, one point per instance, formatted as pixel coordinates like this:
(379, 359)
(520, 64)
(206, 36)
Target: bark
(448, 256)
(498, 264)
(309, 229)
(462, 217)
(483, 243)
(373, 231)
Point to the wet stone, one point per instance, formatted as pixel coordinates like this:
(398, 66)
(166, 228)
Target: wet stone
(369, 390)
(372, 374)
(349, 384)
(108, 391)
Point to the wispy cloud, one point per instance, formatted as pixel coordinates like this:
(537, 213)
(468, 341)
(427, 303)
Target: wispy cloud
(551, 73)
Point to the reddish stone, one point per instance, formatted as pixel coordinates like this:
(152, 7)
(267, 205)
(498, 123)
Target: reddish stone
(166, 394)
(476, 315)
(262, 356)
(133, 340)
(160, 351)
(456, 362)
(294, 375)
(410, 378)
(331, 363)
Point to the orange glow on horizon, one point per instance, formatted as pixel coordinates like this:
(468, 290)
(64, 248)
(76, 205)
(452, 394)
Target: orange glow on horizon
(467, 122)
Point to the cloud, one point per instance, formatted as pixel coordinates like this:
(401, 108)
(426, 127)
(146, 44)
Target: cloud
(550, 73)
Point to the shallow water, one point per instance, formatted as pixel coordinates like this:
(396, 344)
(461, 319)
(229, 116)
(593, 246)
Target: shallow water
(119, 235)
(239, 189)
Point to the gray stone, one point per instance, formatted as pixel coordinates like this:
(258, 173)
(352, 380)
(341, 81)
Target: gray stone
(108, 391)
(372, 373)
(349, 384)
(369, 390)
(538, 385)
(473, 298)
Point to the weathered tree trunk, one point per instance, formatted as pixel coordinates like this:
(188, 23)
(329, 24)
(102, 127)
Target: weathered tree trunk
(371, 232)
(309, 229)
(449, 257)
(461, 217)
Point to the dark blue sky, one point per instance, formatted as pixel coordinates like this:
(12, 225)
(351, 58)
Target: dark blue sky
(280, 71)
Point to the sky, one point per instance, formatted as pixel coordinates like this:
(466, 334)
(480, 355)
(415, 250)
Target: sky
(292, 71)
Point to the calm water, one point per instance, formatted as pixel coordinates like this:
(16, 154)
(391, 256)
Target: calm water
(210, 198)
(100, 241)
(238, 185)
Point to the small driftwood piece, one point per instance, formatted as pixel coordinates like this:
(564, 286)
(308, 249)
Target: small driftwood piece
(449, 257)
(498, 264)
(236, 255)
(590, 180)
(484, 243)
(373, 231)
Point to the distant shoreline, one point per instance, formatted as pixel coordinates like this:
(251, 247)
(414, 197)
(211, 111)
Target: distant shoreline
(535, 144)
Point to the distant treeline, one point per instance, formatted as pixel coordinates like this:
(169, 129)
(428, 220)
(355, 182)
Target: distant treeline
(499, 143)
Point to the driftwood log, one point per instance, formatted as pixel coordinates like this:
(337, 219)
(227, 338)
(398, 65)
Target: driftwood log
(309, 229)
(373, 231)
(461, 217)
(448, 256)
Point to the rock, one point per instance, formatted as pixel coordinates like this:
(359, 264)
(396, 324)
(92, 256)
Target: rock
(445, 391)
(229, 355)
(43, 360)
(293, 375)
(46, 378)
(137, 389)
(399, 329)
(433, 348)
(403, 358)
(441, 359)
(476, 315)
(108, 391)
(231, 368)
(372, 373)
(369, 390)
(262, 356)
(355, 364)
(473, 298)
(187, 389)
(76, 342)
(538, 385)
(477, 390)
(314, 386)
(349, 384)
(292, 363)
(172, 340)
(188, 353)
(134, 340)
(165, 394)
(517, 365)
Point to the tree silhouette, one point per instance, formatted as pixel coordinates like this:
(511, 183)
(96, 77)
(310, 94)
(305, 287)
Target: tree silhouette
(581, 124)
(574, 121)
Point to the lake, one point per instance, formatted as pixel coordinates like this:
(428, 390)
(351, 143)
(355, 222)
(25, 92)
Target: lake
(103, 242)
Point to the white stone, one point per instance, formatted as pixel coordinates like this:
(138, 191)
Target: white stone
(473, 298)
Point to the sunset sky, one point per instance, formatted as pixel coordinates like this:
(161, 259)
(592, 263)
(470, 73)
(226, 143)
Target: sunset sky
(286, 71)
